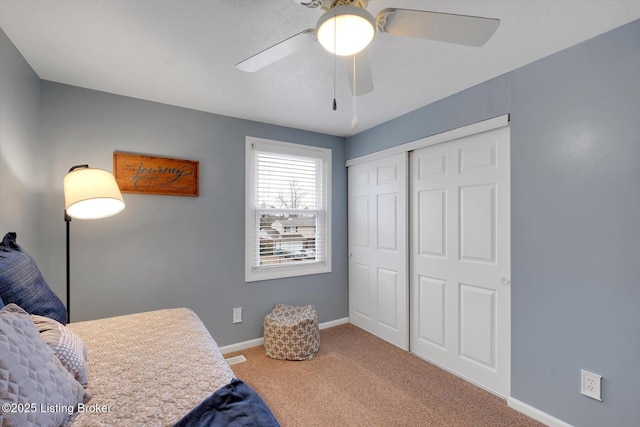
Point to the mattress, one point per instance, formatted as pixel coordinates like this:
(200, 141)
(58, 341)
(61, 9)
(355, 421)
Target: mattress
(149, 368)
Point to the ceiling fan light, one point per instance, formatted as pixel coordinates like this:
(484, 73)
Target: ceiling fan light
(352, 26)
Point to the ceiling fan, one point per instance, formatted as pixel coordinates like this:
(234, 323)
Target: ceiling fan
(346, 29)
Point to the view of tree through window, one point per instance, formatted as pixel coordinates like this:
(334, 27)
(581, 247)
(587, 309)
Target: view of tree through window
(287, 199)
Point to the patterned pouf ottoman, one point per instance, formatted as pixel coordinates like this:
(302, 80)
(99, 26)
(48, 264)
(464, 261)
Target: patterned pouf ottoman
(291, 333)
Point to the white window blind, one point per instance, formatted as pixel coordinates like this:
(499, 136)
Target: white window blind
(287, 210)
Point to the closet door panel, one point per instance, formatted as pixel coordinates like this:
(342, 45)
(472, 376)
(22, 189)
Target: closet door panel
(378, 263)
(460, 257)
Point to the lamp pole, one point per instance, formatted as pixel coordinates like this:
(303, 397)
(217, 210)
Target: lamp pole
(67, 219)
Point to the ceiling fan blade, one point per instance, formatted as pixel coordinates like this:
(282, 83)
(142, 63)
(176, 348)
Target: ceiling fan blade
(277, 51)
(445, 27)
(359, 71)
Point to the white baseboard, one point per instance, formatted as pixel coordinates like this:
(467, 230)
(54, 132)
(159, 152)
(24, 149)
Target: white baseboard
(259, 341)
(241, 345)
(535, 413)
(332, 323)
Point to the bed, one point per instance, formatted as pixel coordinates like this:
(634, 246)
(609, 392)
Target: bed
(149, 368)
(158, 368)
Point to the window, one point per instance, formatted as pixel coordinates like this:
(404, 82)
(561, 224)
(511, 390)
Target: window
(287, 210)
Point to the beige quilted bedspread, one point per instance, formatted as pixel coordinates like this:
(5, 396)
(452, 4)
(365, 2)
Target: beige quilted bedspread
(149, 369)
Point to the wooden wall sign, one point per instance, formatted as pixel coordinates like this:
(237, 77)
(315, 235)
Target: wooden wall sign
(136, 173)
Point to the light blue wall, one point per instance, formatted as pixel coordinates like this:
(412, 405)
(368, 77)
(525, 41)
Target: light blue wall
(19, 166)
(575, 179)
(168, 251)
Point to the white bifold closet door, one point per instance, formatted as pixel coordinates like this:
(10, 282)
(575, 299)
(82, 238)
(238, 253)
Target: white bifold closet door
(460, 257)
(378, 248)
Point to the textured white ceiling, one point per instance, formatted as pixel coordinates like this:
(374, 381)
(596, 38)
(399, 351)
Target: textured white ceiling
(183, 52)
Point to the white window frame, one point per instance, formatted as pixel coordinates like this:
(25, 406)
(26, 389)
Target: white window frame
(253, 273)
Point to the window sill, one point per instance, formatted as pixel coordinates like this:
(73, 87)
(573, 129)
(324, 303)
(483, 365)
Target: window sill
(254, 275)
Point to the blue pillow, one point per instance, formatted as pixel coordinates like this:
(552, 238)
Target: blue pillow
(22, 283)
(1, 303)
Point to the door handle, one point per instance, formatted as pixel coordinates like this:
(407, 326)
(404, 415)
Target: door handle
(505, 281)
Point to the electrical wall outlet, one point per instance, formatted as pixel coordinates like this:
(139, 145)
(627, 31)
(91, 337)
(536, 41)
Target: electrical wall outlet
(237, 315)
(590, 384)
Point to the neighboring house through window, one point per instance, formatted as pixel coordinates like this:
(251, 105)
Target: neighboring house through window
(287, 210)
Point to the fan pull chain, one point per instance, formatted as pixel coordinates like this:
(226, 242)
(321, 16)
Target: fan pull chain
(335, 31)
(335, 104)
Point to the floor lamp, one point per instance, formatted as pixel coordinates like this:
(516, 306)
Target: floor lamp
(88, 194)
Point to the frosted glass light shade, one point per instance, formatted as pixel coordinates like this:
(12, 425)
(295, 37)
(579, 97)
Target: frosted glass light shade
(353, 28)
(91, 194)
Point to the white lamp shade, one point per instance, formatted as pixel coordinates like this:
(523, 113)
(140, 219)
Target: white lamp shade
(91, 194)
(353, 28)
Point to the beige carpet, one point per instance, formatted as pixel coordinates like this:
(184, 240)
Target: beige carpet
(356, 379)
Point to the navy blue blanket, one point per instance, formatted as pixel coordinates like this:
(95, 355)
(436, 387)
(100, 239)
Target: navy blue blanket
(234, 405)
